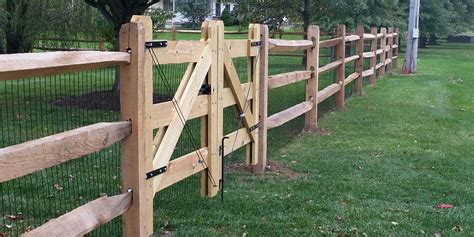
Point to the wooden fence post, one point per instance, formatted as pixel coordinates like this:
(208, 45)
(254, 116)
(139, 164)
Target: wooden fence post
(373, 60)
(395, 52)
(173, 33)
(383, 56)
(390, 51)
(263, 101)
(136, 102)
(341, 71)
(204, 122)
(360, 62)
(253, 77)
(216, 116)
(312, 64)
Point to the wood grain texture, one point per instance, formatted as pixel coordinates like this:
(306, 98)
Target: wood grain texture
(182, 51)
(369, 54)
(373, 60)
(351, 38)
(351, 78)
(312, 65)
(328, 92)
(368, 72)
(284, 79)
(287, 115)
(369, 36)
(328, 67)
(280, 46)
(351, 58)
(84, 219)
(330, 43)
(359, 64)
(28, 157)
(17, 66)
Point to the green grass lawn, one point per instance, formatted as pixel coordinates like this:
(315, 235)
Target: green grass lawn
(379, 168)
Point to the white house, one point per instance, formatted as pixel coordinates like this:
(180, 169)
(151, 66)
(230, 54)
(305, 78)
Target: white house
(216, 8)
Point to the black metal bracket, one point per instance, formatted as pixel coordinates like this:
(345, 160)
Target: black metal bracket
(256, 44)
(156, 172)
(222, 154)
(205, 89)
(156, 44)
(254, 127)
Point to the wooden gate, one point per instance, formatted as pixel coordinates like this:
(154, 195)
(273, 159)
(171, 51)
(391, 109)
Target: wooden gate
(210, 84)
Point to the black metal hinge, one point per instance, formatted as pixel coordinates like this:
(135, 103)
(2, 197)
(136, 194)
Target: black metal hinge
(156, 44)
(205, 89)
(254, 127)
(256, 44)
(156, 172)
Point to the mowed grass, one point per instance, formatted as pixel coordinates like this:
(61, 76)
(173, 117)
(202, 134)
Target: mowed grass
(379, 168)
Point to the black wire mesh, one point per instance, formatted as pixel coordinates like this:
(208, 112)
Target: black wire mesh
(36, 107)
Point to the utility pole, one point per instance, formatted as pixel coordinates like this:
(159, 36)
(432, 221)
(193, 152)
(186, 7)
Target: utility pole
(413, 35)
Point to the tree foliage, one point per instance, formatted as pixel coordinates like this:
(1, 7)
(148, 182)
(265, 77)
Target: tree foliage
(196, 11)
(159, 17)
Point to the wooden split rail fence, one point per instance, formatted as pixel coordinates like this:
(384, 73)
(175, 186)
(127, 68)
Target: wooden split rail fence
(146, 165)
(383, 56)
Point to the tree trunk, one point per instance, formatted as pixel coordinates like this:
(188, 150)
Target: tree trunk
(433, 39)
(422, 42)
(15, 26)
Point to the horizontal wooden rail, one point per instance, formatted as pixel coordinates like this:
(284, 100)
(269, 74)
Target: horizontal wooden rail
(379, 51)
(195, 162)
(379, 35)
(351, 78)
(388, 61)
(368, 72)
(387, 48)
(28, 157)
(85, 219)
(328, 67)
(379, 66)
(162, 113)
(369, 36)
(284, 79)
(351, 58)
(330, 43)
(369, 55)
(351, 38)
(17, 66)
(280, 46)
(328, 92)
(395, 46)
(241, 48)
(287, 115)
(389, 35)
(394, 57)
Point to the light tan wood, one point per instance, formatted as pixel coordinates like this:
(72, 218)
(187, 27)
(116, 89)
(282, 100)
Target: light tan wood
(351, 38)
(182, 51)
(184, 167)
(369, 36)
(378, 66)
(170, 139)
(330, 43)
(351, 78)
(380, 35)
(236, 140)
(288, 78)
(383, 55)
(369, 54)
(204, 122)
(17, 66)
(254, 76)
(328, 67)
(396, 41)
(241, 48)
(135, 105)
(351, 58)
(341, 70)
(328, 92)
(162, 113)
(312, 65)
(373, 60)
(379, 51)
(263, 101)
(280, 46)
(233, 78)
(22, 159)
(368, 72)
(359, 65)
(389, 50)
(84, 219)
(287, 115)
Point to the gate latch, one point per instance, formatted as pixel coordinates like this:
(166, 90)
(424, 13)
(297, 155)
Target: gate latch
(256, 44)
